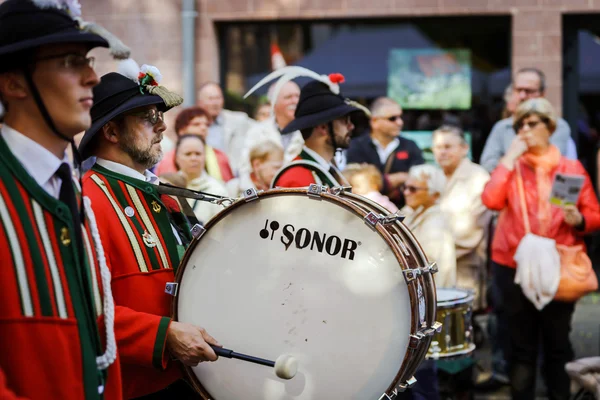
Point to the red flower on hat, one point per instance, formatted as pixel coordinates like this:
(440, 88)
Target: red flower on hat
(336, 78)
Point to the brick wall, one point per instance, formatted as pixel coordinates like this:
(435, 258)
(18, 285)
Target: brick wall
(153, 27)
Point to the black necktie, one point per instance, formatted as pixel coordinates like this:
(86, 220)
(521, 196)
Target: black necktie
(67, 196)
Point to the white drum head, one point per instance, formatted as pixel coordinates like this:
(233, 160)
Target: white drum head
(345, 315)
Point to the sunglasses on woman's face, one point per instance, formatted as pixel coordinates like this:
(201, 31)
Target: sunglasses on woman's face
(410, 188)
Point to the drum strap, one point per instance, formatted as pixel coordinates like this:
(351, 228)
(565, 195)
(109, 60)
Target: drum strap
(310, 165)
(183, 194)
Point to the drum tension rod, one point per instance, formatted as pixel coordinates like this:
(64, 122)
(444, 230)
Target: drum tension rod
(373, 219)
(431, 268)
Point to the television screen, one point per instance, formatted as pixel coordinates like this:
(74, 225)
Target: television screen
(430, 78)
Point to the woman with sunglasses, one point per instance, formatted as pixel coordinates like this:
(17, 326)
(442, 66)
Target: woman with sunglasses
(532, 163)
(424, 217)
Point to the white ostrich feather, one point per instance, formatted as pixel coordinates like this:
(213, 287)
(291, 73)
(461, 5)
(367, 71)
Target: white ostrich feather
(130, 69)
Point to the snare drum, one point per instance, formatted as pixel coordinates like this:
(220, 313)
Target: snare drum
(454, 311)
(321, 276)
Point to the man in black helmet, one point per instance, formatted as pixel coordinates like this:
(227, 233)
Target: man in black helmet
(51, 346)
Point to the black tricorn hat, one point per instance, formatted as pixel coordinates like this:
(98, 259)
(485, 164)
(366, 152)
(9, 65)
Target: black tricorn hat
(117, 94)
(319, 105)
(25, 26)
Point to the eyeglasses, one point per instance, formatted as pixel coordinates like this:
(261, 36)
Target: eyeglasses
(528, 92)
(152, 115)
(531, 125)
(394, 118)
(411, 189)
(72, 60)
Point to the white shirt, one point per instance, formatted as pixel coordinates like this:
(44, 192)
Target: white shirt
(38, 161)
(325, 164)
(384, 152)
(320, 160)
(147, 176)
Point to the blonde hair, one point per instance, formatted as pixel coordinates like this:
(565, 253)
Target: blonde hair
(364, 171)
(262, 150)
(435, 178)
(538, 106)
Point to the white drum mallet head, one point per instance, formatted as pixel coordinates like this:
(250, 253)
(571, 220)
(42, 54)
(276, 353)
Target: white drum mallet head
(286, 366)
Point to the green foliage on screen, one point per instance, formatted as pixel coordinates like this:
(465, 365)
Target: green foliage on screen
(430, 78)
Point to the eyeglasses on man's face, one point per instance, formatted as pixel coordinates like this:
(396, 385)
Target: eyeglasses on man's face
(152, 115)
(71, 60)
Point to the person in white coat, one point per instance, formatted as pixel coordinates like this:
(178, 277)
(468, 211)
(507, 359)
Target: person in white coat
(269, 130)
(425, 219)
(461, 202)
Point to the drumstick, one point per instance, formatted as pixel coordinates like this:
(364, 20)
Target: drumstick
(285, 366)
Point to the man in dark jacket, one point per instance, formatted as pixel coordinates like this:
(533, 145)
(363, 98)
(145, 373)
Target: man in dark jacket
(385, 149)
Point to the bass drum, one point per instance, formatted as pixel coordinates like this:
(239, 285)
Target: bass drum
(322, 276)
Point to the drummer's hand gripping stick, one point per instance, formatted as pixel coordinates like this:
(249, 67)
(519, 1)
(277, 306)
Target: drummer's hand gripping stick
(285, 366)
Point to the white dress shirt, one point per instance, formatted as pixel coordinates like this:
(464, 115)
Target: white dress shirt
(326, 165)
(38, 161)
(384, 152)
(147, 176)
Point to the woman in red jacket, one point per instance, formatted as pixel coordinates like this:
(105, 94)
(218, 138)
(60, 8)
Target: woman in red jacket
(538, 162)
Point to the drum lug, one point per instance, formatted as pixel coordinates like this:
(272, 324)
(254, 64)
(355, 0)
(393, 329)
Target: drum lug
(250, 194)
(409, 383)
(197, 231)
(171, 288)
(411, 274)
(315, 190)
(336, 190)
(415, 339)
(432, 268)
(435, 328)
(390, 219)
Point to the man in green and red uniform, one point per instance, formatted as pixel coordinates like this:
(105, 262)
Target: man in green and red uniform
(144, 233)
(323, 118)
(51, 346)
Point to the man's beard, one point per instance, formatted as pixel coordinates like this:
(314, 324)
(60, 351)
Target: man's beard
(142, 156)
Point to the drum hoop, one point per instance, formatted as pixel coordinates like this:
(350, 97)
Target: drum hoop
(334, 198)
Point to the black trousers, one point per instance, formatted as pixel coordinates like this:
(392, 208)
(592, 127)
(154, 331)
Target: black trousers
(179, 390)
(530, 329)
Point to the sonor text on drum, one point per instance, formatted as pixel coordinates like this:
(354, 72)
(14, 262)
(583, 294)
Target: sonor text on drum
(304, 238)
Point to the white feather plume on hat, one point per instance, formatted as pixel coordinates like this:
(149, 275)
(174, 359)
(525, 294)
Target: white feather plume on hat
(285, 75)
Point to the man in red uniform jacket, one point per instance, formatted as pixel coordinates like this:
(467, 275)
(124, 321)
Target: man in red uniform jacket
(51, 343)
(323, 118)
(144, 233)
